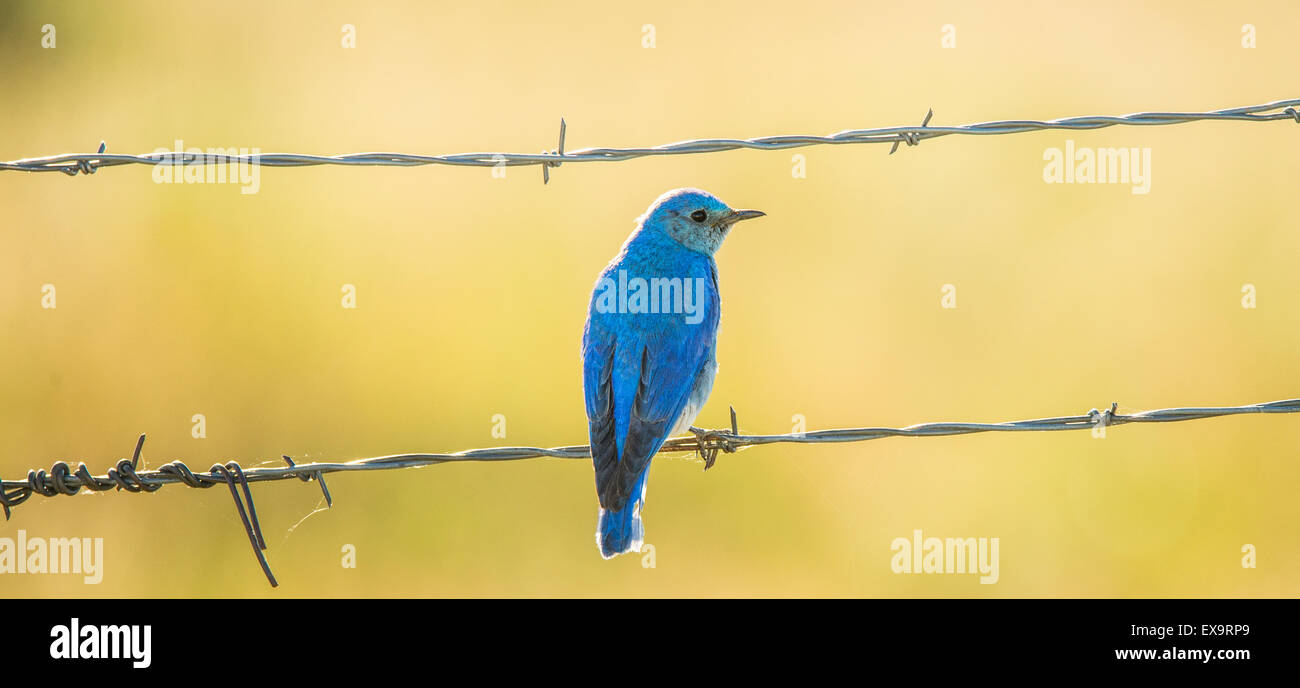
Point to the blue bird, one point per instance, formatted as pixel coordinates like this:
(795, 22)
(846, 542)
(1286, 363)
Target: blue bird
(648, 350)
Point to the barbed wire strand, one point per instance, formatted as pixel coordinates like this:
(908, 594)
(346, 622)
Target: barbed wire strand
(87, 163)
(125, 475)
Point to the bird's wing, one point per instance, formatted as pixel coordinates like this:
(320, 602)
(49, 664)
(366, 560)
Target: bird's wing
(637, 382)
(598, 349)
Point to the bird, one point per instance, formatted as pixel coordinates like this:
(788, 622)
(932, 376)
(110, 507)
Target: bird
(649, 350)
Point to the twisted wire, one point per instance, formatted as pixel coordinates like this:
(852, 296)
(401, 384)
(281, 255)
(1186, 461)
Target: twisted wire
(88, 163)
(62, 480)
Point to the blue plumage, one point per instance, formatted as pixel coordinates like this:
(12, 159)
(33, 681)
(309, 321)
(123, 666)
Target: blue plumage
(648, 350)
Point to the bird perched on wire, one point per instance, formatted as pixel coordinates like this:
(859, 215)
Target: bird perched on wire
(648, 350)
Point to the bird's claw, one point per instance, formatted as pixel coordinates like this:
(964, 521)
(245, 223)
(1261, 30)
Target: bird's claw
(710, 454)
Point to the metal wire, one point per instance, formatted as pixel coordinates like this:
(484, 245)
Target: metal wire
(61, 479)
(87, 163)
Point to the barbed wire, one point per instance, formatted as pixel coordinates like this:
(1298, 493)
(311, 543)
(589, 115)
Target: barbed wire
(87, 163)
(125, 475)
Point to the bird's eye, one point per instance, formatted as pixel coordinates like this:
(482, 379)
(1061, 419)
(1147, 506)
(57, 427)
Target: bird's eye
(699, 215)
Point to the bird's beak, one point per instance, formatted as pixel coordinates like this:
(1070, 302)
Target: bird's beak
(737, 215)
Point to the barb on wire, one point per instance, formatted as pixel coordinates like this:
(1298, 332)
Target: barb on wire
(72, 163)
(125, 476)
(911, 138)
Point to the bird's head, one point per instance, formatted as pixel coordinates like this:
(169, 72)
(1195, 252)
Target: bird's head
(695, 219)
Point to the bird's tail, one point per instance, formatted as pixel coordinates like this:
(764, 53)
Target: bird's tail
(620, 531)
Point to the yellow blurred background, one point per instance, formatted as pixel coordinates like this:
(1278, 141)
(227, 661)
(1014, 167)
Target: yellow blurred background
(183, 299)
